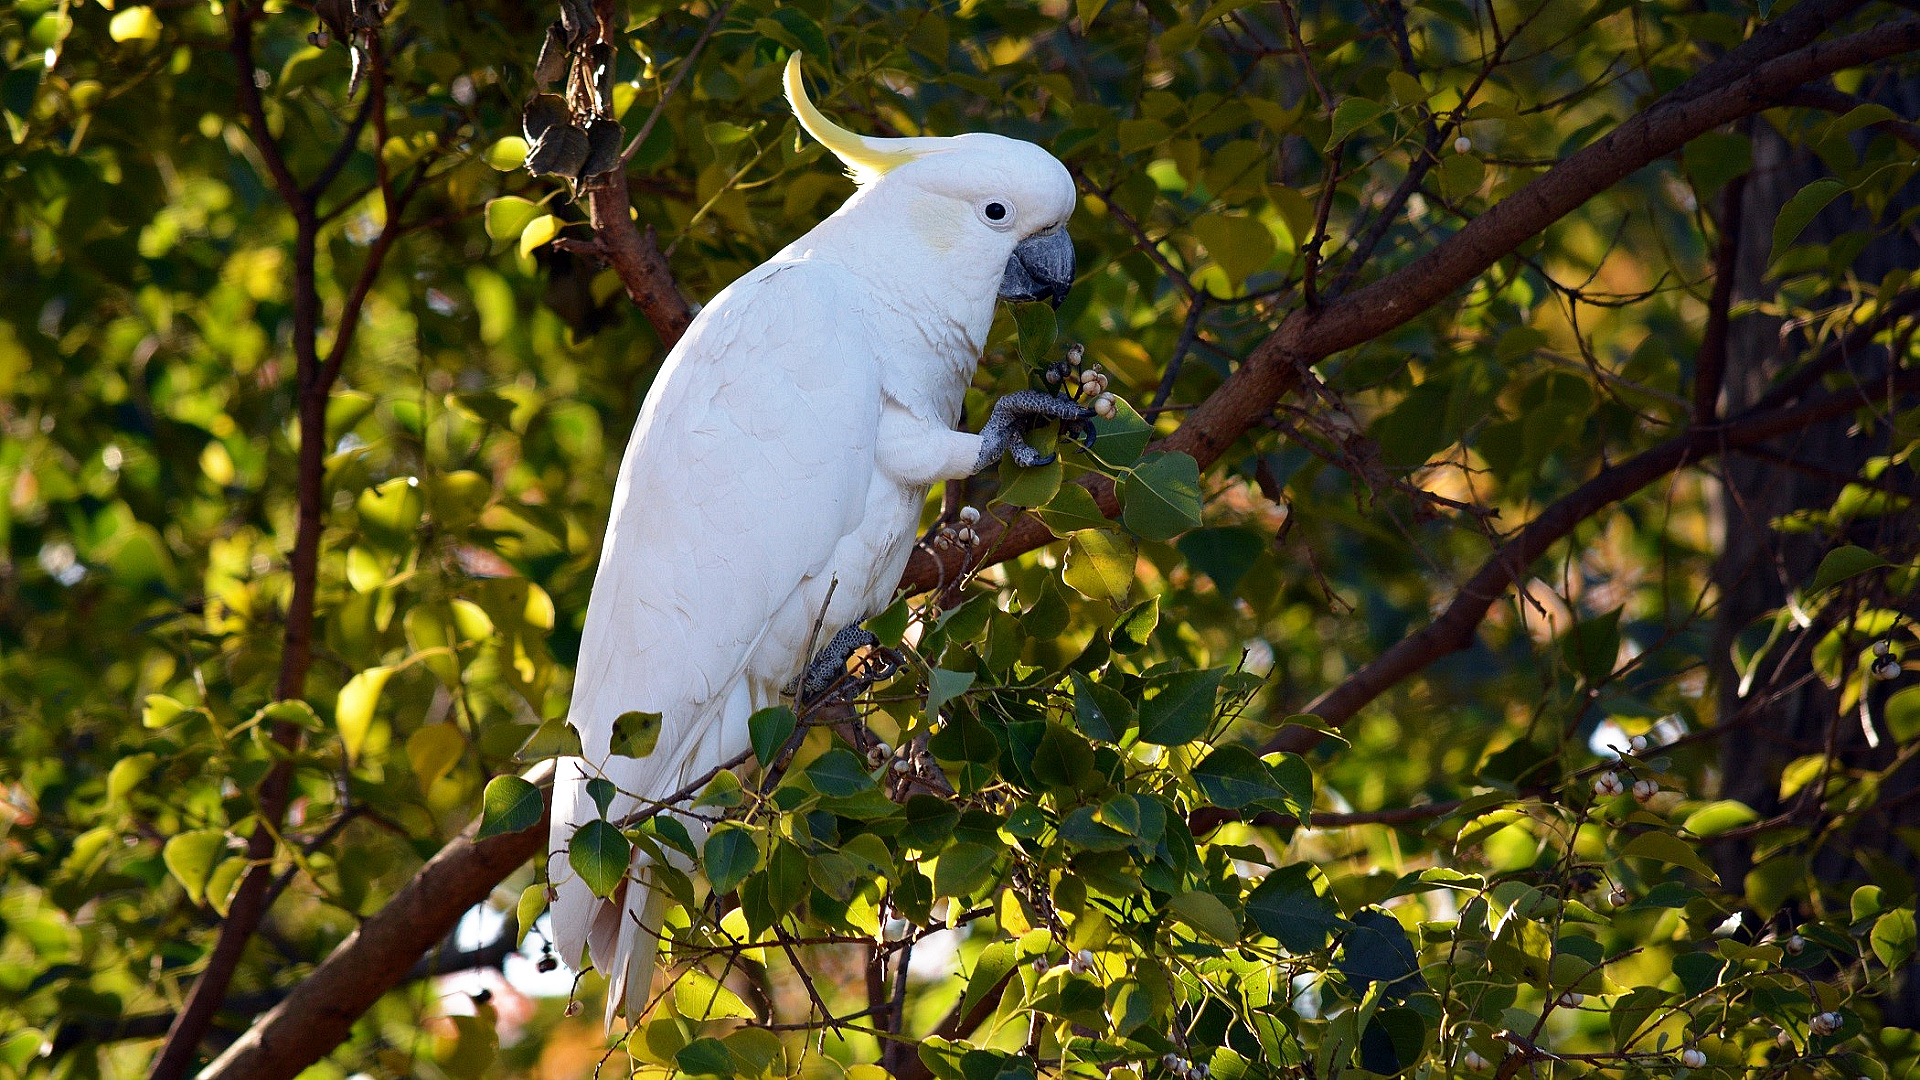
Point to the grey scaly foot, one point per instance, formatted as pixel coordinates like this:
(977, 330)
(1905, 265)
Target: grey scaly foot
(1020, 412)
(829, 665)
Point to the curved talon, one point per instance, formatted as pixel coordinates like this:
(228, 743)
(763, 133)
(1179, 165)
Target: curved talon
(1027, 457)
(1018, 413)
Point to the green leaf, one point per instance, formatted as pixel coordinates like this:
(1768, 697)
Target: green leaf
(1099, 565)
(1161, 497)
(1130, 634)
(508, 154)
(769, 729)
(509, 806)
(699, 996)
(1903, 714)
(1119, 441)
(599, 853)
(1035, 486)
(1100, 710)
(433, 751)
(353, 709)
(1177, 708)
(1035, 322)
(730, 855)
(1232, 778)
(1376, 949)
(1088, 10)
(996, 960)
(1241, 246)
(1071, 509)
(1223, 554)
(1842, 563)
(944, 686)
(635, 733)
(1801, 210)
(1591, 646)
(128, 774)
(538, 231)
(1292, 906)
(963, 869)
(1352, 115)
(1718, 817)
(190, 857)
(723, 791)
(553, 738)
(528, 909)
(1206, 913)
(1461, 176)
(507, 216)
(1892, 937)
(838, 773)
(1668, 848)
(706, 1056)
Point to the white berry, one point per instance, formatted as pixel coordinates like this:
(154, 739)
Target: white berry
(1882, 647)
(1885, 668)
(1075, 352)
(1826, 1023)
(1782, 1038)
(969, 515)
(1693, 1059)
(1462, 144)
(1571, 1000)
(1619, 897)
(1645, 789)
(1473, 1061)
(1795, 945)
(1607, 784)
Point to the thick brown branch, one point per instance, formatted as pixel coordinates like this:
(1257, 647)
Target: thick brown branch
(1455, 628)
(375, 958)
(1710, 364)
(1307, 337)
(635, 256)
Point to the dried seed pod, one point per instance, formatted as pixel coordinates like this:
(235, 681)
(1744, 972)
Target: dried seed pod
(543, 112)
(552, 65)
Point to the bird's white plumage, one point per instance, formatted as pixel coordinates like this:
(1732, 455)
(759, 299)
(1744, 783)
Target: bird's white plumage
(783, 455)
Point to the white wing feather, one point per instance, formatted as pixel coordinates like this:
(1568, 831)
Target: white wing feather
(751, 462)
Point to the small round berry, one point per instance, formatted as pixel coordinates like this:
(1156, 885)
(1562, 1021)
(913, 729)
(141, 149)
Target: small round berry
(1826, 1023)
(1052, 377)
(319, 39)
(1883, 647)
(1619, 897)
(1462, 144)
(1795, 945)
(1608, 784)
(1644, 790)
(968, 537)
(1075, 353)
(902, 766)
(573, 1008)
(969, 515)
(1782, 1038)
(1638, 744)
(1693, 1058)
(1886, 667)
(1571, 1000)
(1040, 964)
(1104, 408)
(1473, 1061)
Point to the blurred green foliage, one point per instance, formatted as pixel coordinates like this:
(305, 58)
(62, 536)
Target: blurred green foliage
(1090, 699)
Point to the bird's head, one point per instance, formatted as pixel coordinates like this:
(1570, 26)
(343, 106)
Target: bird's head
(1001, 198)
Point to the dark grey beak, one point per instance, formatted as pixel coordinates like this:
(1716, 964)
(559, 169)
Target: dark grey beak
(1041, 268)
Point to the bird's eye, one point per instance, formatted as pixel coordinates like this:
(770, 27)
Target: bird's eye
(997, 213)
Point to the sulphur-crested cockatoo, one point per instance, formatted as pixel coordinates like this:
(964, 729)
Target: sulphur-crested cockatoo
(776, 475)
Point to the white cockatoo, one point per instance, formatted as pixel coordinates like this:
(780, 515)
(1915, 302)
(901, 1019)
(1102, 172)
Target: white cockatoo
(775, 478)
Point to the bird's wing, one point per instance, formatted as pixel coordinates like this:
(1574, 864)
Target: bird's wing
(751, 460)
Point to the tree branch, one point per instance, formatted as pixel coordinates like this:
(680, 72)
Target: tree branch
(1455, 628)
(1307, 337)
(321, 1010)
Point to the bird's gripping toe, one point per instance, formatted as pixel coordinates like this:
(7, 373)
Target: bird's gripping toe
(827, 671)
(1020, 412)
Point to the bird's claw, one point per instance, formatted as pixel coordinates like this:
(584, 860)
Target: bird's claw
(827, 671)
(1018, 413)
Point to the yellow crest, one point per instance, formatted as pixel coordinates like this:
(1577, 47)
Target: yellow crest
(865, 157)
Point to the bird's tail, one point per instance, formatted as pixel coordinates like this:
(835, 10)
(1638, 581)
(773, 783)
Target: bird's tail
(620, 934)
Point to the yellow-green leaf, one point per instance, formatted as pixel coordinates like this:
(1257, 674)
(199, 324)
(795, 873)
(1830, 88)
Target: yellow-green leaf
(538, 231)
(353, 709)
(1100, 565)
(190, 857)
(433, 751)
